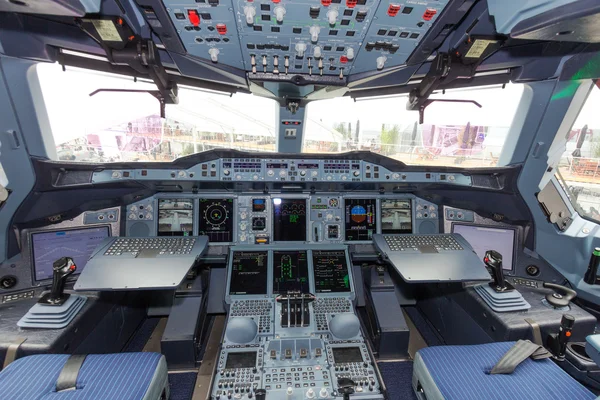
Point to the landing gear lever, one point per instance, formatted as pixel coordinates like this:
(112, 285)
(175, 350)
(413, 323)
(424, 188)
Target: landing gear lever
(62, 268)
(346, 387)
(493, 260)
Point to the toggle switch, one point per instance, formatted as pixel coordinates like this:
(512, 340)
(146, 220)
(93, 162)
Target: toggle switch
(253, 63)
(350, 53)
(314, 33)
(320, 66)
(317, 52)
(381, 62)
(332, 16)
(279, 13)
(264, 63)
(275, 64)
(214, 54)
(300, 49)
(310, 67)
(341, 73)
(286, 64)
(249, 12)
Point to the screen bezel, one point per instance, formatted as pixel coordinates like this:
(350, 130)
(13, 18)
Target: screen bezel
(306, 217)
(71, 278)
(412, 213)
(507, 227)
(269, 274)
(194, 209)
(347, 348)
(197, 218)
(241, 352)
(348, 268)
(308, 267)
(377, 201)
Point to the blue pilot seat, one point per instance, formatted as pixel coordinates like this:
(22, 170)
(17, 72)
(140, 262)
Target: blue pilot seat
(123, 376)
(463, 372)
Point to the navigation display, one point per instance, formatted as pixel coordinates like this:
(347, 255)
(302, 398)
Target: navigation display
(175, 217)
(396, 216)
(289, 220)
(216, 220)
(361, 219)
(76, 243)
(290, 271)
(248, 272)
(246, 359)
(331, 271)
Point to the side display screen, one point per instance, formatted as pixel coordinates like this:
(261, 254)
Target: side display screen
(290, 271)
(248, 272)
(175, 217)
(331, 271)
(396, 216)
(79, 244)
(289, 220)
(216, 220)
(361, 219)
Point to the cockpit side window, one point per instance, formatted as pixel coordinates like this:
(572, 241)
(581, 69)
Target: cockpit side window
(579, 167)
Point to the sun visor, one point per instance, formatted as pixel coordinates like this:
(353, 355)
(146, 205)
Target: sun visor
(508, 13)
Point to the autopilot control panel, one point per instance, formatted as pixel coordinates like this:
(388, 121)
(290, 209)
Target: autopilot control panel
(291, 327)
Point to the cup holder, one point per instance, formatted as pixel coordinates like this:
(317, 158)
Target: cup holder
(578, 349)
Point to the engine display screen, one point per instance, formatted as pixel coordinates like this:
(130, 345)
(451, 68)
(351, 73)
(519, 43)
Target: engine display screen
(216, 220)
(245, 359)
(331, 271)
(248, 272)
(361, 219)
(396, 216)
(289, 220)
(175, 217)
(343, 355)
(290, 271)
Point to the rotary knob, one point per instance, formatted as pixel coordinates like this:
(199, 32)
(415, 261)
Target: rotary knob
(226, 172)
(323, 393)
(302, 173)
(282, 173)
(356, 173)
(314, 173)
(270, 172)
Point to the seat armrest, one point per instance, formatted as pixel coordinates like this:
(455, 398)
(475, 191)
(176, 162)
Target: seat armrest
(592, 347)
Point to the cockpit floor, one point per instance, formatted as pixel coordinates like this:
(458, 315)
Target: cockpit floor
(397, 377)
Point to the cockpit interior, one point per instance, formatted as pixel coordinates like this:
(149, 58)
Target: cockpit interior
(299, 199)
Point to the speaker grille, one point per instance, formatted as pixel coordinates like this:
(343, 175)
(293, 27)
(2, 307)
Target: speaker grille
(427, 227)
(139, 229)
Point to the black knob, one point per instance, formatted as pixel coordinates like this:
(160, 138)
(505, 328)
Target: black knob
(346, 387)
(561, 296)
(261, 394)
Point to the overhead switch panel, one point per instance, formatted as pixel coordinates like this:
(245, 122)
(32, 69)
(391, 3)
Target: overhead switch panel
(275, 39)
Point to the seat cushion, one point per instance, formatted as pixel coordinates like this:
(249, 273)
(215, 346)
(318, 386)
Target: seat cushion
(124, 376)
(462, 372)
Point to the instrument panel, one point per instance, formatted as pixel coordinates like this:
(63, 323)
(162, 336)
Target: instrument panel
(250, 218)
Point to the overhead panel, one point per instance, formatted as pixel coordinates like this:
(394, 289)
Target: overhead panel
(278, 38)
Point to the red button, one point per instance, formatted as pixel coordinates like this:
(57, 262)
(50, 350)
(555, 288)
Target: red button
(393, 10)
(351, 3)
(222, 29)
(429, 13)
(194, 17)
(326, 3)
(343, 59)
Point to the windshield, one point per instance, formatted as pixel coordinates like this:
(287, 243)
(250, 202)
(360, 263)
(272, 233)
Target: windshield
(453, 134)
(120, 126)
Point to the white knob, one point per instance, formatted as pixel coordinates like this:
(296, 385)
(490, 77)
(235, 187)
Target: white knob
(214, 54)
(350, 53)
(300, 49)
(250, 12)
(310, 394)
(279, 13)
(380, 62)
(289, 392)
(317, 52)
(314, 33)
(323, 393)
(332, 16)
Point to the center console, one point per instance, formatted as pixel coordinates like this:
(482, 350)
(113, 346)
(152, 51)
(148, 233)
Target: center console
(292, 332)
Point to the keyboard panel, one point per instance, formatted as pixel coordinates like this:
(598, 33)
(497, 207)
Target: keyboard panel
(161, 245)
(419, 242)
